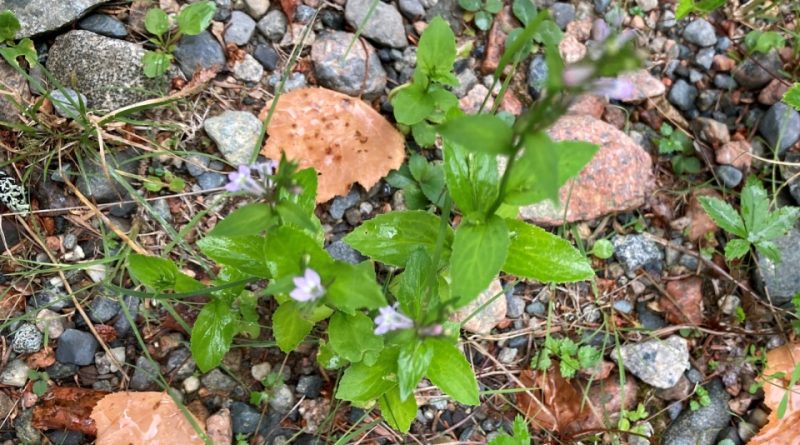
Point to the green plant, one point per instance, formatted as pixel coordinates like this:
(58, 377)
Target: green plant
(700, 399)
(521, 435)
(484, 11)
(164, 179)
(763, 41)
(39, 380)
(422, 182)
(792, 96)
(756, 226)
(191, 21)
(627, 420)
(702, 7)
(9, 27)
(572, 358)
(677, 143)
(603, 249)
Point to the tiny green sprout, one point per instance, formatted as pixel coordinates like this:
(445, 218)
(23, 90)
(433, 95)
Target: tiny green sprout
(39, 380)
(603, 249)
(702, 7)
(741, 317)
(701, 398)
(191, 21)
(521, 435)
(678, 144)
(572, 357)
(484, 11)
(792, 96)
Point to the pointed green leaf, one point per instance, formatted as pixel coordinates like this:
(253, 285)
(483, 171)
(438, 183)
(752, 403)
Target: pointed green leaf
(792, 96)
(755, 206)
(479, 251)
(289, 326)
(160, 274)
(245, 253)
(451, 372)
(484, 133)
(212, 334)
(724, 215)
(412, 363)
(252, 219)
(413, 293)
(736, 248)
(436, 51)
(196, 17)
(289, 249)
(398, 412)
(472, 178)
(778, 223)
(363, 383)
(156, 22)
(352, 337)
(537, 254)
(769, 250)
(412, 104)
(351, 286)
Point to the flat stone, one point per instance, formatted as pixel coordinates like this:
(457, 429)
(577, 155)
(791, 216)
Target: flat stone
(687, 295)
(702, 426)
(342, 251)
(273, 25)
(240, 28)
(644, 85)
(489, 317)
(145, 375)
(385, 25)
(683, 95)
(76, 347)
(700, 32)
(780, 127)
(361, 73)
(245, 418)
(248, 69)
(773, 92)
(266, 56)
(27, 339)
(711, 131)
(735, 153)
(235, 133)
(15, 373)
(730, 176)
(39, 16)
(256, 8)
(95, 183)
(104, 25)
(618, 178)
(200, 51)
(107, 71)
(782, 280)
(659, 363)
(758, 70)
(637, 252)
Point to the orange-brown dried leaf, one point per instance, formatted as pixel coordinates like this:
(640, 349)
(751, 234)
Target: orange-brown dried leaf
(150, 418)
(41, 359)
(105, 332)
(63, 408)
(340, 136)
(783, 431)
(552, 403)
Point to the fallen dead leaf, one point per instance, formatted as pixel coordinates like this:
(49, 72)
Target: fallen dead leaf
(136, 418)
(552, 403)
(63, 408)
(685, 302)
(41, 359)
(344, 139)
(783, 431)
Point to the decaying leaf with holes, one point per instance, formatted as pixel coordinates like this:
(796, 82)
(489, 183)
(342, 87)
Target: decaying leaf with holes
(340, 136)
(552, 403)
(783, 430)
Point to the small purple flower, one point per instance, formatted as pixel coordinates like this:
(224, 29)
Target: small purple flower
(241, 181)
(390, 319)
(265, 169)
(577, 75)
(618, 89)
(308, 287)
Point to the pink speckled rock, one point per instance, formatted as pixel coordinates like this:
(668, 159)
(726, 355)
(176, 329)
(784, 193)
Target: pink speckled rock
(618, 179)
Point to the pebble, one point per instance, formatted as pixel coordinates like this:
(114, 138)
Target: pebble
(104, 25)
(645, 85)
(303, 14)
(105, 364)
(180, 363)
(191, 384)
(487, 318)
(50, 322)
(273, 25)
(507, 355)
(635, 252)
(6, 405)
(211, 180)
(60, 371)
(516, 306)
(261, 371)
(145, 375)
(103, 309)
(201, 50)
(537, 308)
(537, 76)
(332, 19)
(219, 428)
(294, 82)
(218, 382)
(780, 127)
(256, 8)
(781, 280)
(161, 210)
(725, 82)
(412, 9)
(751, 74)
(248, 69)
(67, 102)
(340, 204)
(27, 339)
(659, 363)
(240, 28)
(667, 20)
(702, 426)
(26, 433)
(623, 306)
(281, 399)
(683, 95)
(15, 373)
(76, 347)
(342, 251)
(704, 58)
(224, 8)
(711, 131)
(647, 5)
(360, 73)
(772, 93)
(309, 386)
(244, 418)
(563, 14)
(385, 25)
(730, 176)
(235, 133)
(700, 33)
(266, 56)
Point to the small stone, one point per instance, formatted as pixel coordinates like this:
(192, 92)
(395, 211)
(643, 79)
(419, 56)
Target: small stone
(67, 102)
(27, 339)
(191, 384)
(683, 95)
(730, 176)
(244, 418)
(700, 33)
(256, 8)
(303, 14)
(76, 347)
(266, 56)
(180, 363)
(219, 428)
(235, 133)
(537, 76)
(725, 82)
(260, 371)
(211, 180)
(50, 322)
(105, 25)
(647, 5)
(15, 373)
(781, 281)
(758, 70)
(735, 153)
(711, 131)
(537, 308)
(104, 363)
(240, 28)
(623, 306)
(218, 382)
(516, 306)
(723, 63)
(340, 204)
(704, 58)
(26, 433)
(701, 427)
(248, 69)
(294, 82)
(488, 317)
(340, 250)
(600, 30)
(667, 20)
(780, 127)
(563, 14)
(200, 51)
(145, 375)
(103, 309)
(644, 84)
(686, 303)
(571, 49)
(281, 399)
(273, 25)
(637, 251)
(507, 355)
(385, 25)
(360, 73)
(659, 363)
(412, 9)
(773, 92)
(309, 386)
(729, 303)
(6, 405)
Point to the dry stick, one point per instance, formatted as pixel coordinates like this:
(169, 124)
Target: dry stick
(78, 306)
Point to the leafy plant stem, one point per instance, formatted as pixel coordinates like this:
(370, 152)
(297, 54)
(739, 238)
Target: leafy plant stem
(506, 82)
(504, 180)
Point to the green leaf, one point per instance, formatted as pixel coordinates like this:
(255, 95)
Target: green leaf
(724, 215)
(245, 253)
(684, 8)
(537, 254)
(352, 337)
(196, 17)
(589, 357)
(792, 96)
(391, 238)
(212, 334)
(424, 134)
(327, 358)
(288, 251)
(603, 249)
(352, 286)
(306, 180)
(363, 383)
(156, 22)
(484, 133)
(412, 363)
(479, 251)
(450, 371)
(483, 20)
(549, 33)
(736, 248)
(429, 176)
(472, 179)
(493, 6)
(155, 64)
(516, 46)
(247, 303)
(524, 11)
(765, 41)
(769, 250)
(160, 274)
(542, 156)
(778, 223)
(436, 51)
(9, 25)
(755, 207)
(398, 412)
(470, 5)
(289, 326)
(292, 214)
(568, 366)
(412, 104)
(413, 287)
(252, 219)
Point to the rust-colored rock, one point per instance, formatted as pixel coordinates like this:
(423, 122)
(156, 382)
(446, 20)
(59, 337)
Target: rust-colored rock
(736, 153)
(618, 179)
(503, 23)
(588, 104)
(723, 63)
(699, 221)
(773, 92)
(686, 304)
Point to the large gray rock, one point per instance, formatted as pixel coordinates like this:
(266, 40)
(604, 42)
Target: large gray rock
(701, 427)
(659, 363)
(385, 25)
(38, 16)
(781, 281)
(780, 126)
(14, 92)
(107, 71)
(347, 76)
